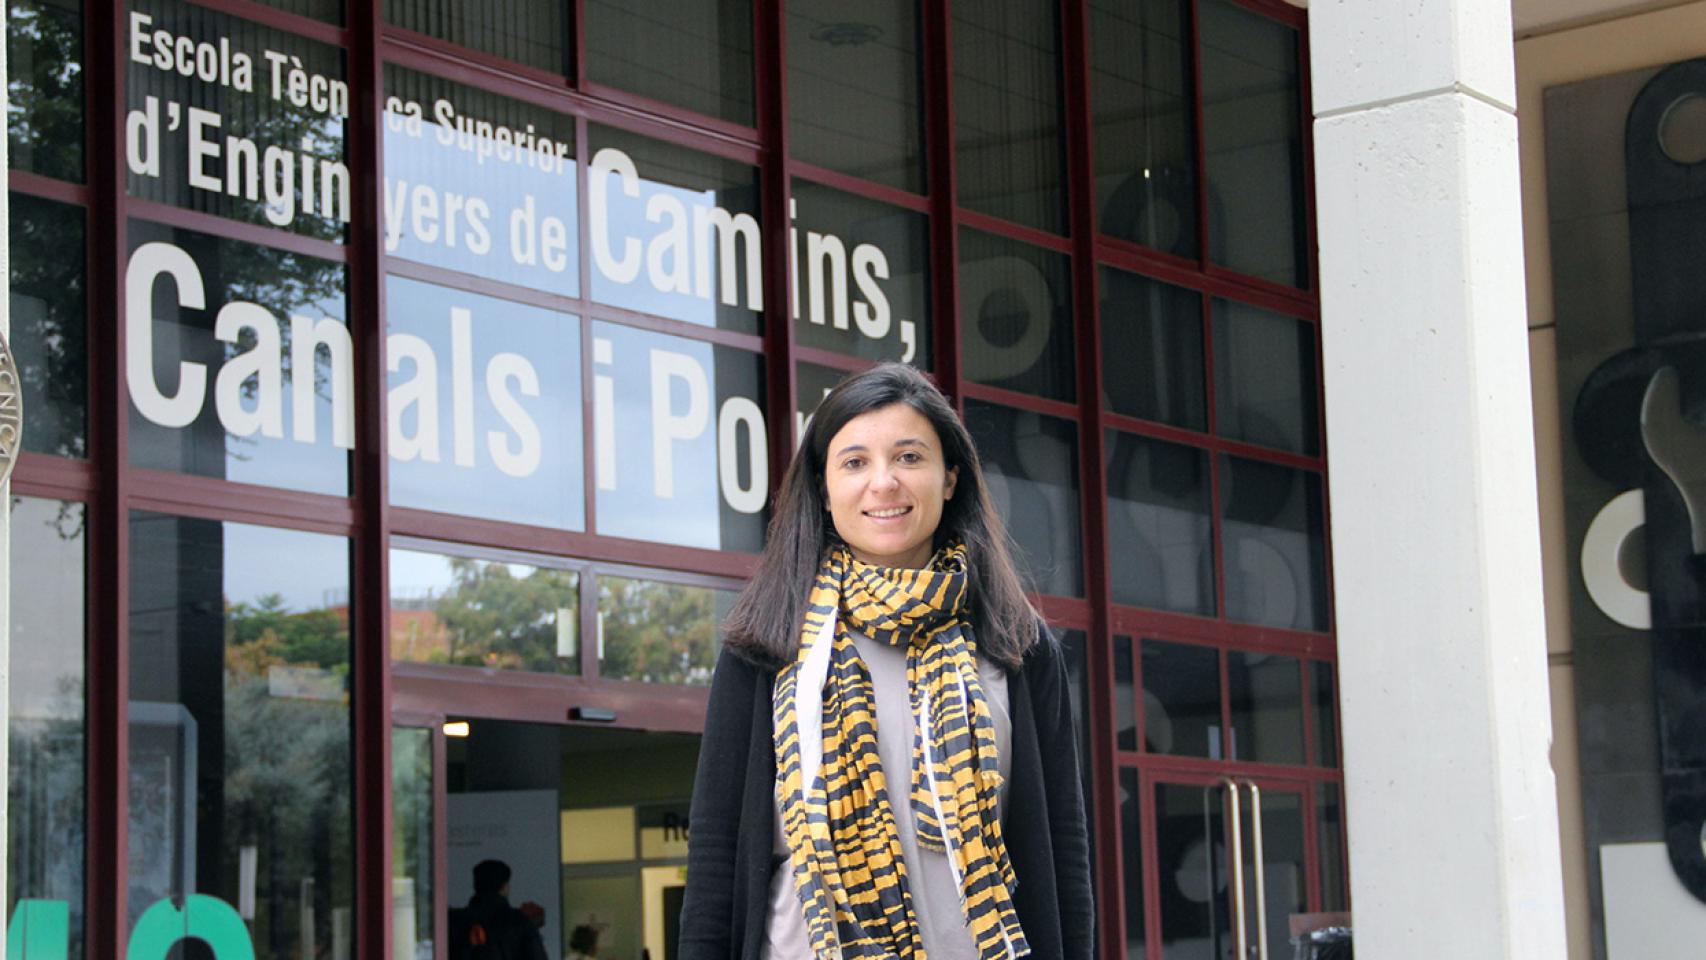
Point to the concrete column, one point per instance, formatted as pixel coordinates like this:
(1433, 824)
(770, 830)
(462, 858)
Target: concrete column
(1442, 651)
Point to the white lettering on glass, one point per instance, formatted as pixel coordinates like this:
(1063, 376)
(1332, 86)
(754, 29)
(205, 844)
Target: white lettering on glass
(307, 336)
(668, 426)
(249, 390)
(150, 262)
(462, 385)
(523, 459)
(741, 412)
(678, 258)
(417, 395)
(148, 265)
(604, 414)
(604, 163)
(683, 247)
(260, 363)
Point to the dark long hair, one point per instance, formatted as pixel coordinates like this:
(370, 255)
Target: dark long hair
(764, 624)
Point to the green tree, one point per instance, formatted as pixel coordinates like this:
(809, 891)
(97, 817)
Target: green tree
(657, 632)
(286, 788)
(313, 638)
(494, 618)
(44, 85)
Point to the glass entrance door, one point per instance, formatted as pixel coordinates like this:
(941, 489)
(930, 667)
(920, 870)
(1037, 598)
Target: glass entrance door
(591, 822)
(417, 882)
(1232, 866)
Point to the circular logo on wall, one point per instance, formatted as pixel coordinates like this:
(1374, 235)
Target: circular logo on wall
(11, 410)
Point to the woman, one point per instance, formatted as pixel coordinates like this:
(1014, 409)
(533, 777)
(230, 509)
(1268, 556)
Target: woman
(889, 767)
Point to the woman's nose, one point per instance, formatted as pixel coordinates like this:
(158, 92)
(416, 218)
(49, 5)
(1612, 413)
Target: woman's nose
(885, 479)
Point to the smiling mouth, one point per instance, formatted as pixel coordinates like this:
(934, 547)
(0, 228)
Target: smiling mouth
(888, 513)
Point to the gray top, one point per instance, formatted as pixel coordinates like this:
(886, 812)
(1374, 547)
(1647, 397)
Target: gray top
(935, 897)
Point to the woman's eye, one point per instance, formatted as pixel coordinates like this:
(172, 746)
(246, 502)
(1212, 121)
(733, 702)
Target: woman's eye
(852, 463)
(910, 457)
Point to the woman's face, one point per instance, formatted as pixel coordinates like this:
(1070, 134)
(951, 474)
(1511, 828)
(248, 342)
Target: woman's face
(886, 481)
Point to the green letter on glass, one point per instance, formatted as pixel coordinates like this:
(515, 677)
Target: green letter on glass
(202, 917)
(41, 930)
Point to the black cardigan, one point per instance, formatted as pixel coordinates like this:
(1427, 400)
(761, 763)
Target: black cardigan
(732, 817)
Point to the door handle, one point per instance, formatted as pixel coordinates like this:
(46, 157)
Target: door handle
(1235, 857)
(1259, 855)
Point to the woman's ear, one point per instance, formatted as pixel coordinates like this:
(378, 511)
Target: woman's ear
(953, 479)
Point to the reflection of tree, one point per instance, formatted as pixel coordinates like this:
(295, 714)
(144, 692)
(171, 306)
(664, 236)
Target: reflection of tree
(44, 110)
(411, 822)
(287, 764)
(492, 618)
(255, 115)
(49, 329)
(45, 737)
(44, 817)
(265, 634)
(659, 632)
(284, 283)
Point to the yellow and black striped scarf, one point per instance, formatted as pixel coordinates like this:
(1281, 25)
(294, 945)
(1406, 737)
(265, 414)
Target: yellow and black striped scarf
(836, 815)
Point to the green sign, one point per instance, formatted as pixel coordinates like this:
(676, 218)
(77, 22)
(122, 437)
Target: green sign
(41, 930)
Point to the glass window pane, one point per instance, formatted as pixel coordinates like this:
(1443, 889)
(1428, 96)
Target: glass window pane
(49, 337)
(1329, 835)
(1125, 694)
(1253, 140)
(533, 33)
(1152, 350)
(411, 840)
(695, 54)
(1140, 102)
(240, 727)
(1131, 859)
(230, 405)
(1326, 706)
(45, 735)
(811, 384)
(1273, 534)
(485, 406)
(44, 88)
(1016, 316)
(331, 11)
(1283, 859)
(1073, 648)
(1190, 852)
(484, 613)
(680, 440)
(1267, 707)
(675, 233)
(659, 632)
(1159, 530)
(1264, 378)
(1030, 462)
(855, 85)
(237, 135)
(479, 183)
(1009, 153)
(860, 276)
(1181, 699)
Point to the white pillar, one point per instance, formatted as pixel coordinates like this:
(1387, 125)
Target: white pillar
(1442, 651)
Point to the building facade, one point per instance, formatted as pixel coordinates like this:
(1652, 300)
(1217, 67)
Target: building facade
(405, 384)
